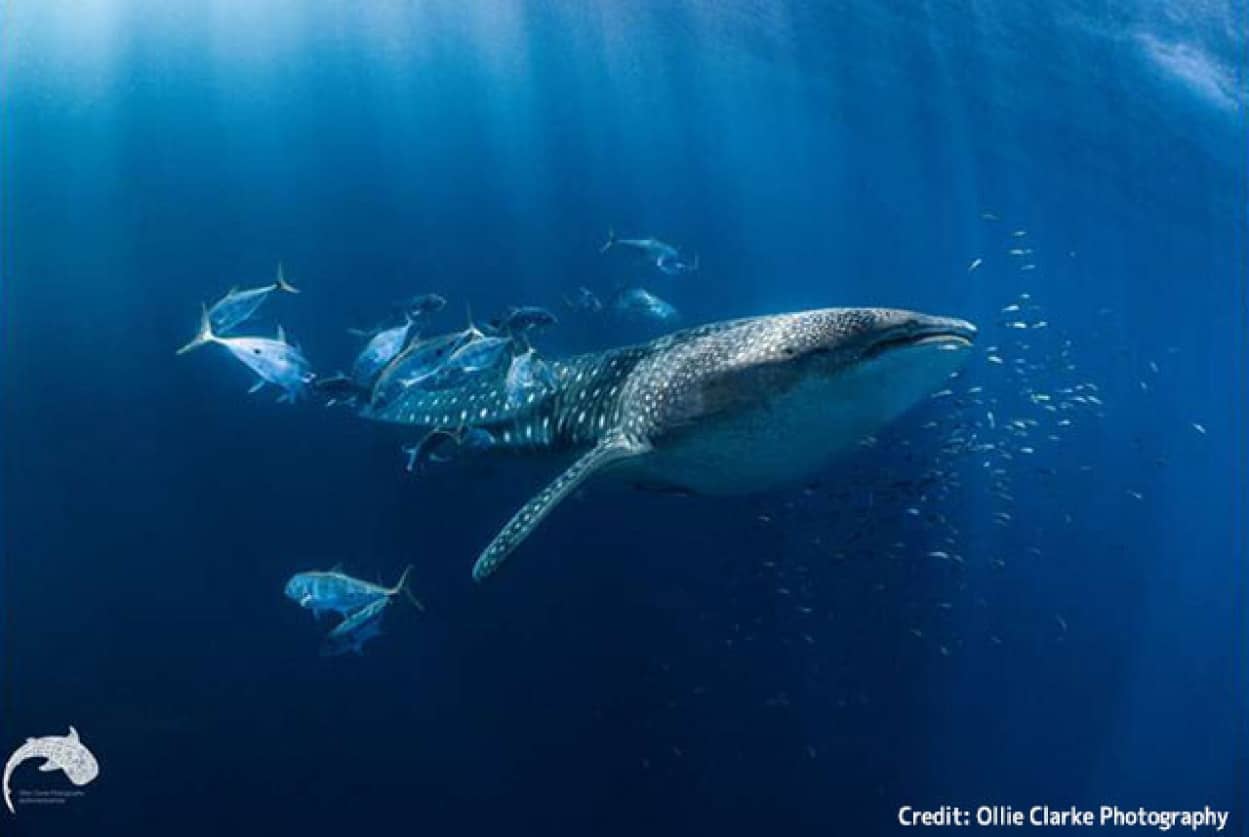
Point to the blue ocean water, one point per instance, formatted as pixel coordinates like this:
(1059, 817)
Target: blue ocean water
(984, 606)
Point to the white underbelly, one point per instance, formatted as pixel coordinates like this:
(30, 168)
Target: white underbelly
(797, 433)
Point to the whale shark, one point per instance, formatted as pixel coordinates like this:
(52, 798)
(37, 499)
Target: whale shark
(731, 407)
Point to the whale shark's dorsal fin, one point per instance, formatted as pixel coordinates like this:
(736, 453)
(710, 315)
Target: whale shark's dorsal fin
(611, 448)
(73, 734)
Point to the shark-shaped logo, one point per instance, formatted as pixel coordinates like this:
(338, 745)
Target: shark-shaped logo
(66, 753)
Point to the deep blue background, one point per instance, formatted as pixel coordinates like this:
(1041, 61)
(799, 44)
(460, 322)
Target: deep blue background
(635, 668)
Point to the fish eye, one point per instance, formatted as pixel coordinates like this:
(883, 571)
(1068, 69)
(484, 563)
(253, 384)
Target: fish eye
(256, 351)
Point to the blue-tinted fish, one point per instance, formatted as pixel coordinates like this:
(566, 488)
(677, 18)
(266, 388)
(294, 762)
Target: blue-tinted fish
(583, 299)
(479, 355)
(442, 445)
(340, 389)
(379, 351)
(429, 449)
(638, 302)
(526, 317)
(334, 591)
(460, 365)
(664, 256)
(237, 307)
(676, 266)
(527, 373)
(653, 248)
(358, 628)
(414, 365)
(476, 439)
(274, 361)
(422, 305)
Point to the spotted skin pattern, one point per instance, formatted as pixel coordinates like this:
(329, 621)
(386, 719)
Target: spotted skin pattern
(531, 514)
(631, 402)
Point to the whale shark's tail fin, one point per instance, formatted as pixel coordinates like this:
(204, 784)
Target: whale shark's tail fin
(280, 284)
(401, 586)
(205, 332)
(611, 239)
(611, 449)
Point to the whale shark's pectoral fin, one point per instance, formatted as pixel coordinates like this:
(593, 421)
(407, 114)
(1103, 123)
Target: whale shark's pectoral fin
(610, 449)
(48, 766)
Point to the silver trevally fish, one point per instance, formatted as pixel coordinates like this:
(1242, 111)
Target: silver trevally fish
(334, 591)
(583, 299)
(638, 302)
(274, 361)
(666, 257)
(237, 307)
(676, 266)
(479, 355)
(379, 351)
(423, 305)
(525, 374)
(525, 318)
(415, 364)
(358, 628)
(652, 247)
(440, 445)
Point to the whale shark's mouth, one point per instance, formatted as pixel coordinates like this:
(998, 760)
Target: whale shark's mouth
(939, 332)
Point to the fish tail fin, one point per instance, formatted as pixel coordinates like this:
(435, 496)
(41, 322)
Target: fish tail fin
(205, 334)
(280, 284)
(473, 331)
(401, 586)
(611, 239)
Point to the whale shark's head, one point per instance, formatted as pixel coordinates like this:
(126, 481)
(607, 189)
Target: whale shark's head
(78, 764)
(757, 360)
(836, 341)
(769, 399)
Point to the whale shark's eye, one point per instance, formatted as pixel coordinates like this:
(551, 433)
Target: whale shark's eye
(256, 351)
(789, 351)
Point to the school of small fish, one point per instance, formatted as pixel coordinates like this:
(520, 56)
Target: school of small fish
(894, 523)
